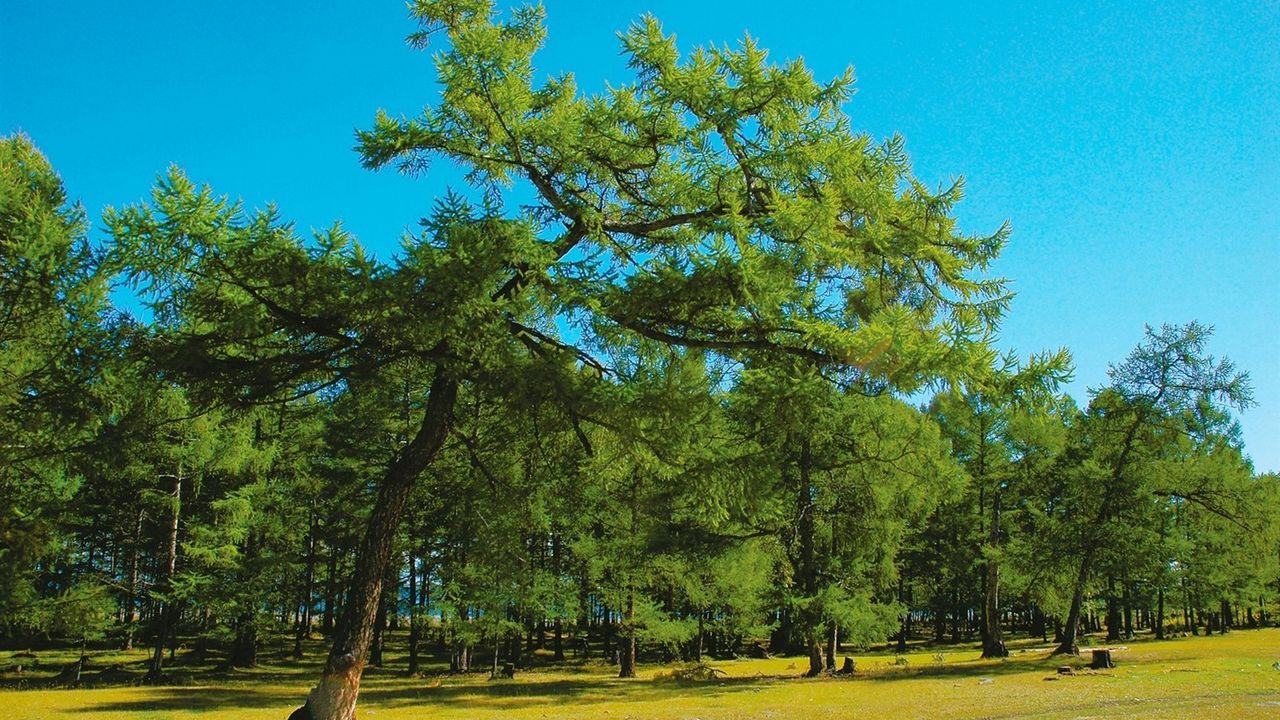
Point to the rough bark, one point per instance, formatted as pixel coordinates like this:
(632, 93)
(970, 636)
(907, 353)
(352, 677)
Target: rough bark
(334, 697)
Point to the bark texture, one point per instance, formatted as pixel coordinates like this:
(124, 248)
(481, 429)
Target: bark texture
(334, 698)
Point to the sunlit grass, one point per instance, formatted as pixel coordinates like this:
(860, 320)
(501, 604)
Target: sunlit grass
(1217, 677)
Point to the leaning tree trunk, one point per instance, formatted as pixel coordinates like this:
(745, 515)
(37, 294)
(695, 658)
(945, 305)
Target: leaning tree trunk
(1068, 646)
(334, 697)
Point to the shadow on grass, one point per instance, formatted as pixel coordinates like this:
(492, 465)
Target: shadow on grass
(404, 692)
(201, 699)
(284, 685)
(498, 694)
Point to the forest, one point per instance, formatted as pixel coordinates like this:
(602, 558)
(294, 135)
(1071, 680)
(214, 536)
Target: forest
(689, 369)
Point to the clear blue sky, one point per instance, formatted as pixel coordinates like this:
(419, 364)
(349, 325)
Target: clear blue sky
(1134, 146)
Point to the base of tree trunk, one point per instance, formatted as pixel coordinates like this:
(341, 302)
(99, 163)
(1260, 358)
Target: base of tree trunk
(1102, 660)
(995, 649)
(816, 661)
(1066, 649)
(334, 698)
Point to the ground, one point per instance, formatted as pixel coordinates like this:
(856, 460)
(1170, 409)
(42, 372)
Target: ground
(1236, 676)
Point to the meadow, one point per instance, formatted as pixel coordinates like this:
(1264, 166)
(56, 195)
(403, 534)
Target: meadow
(1231, 676)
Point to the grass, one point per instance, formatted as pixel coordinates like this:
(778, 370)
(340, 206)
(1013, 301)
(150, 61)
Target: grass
(1218, 677)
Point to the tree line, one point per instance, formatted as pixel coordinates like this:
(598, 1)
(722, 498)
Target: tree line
(690, 367)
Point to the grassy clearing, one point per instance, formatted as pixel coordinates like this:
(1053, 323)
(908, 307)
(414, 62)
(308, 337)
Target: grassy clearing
(1216, 677)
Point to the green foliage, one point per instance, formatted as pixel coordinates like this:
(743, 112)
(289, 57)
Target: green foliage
(674, 323)
(51, 345)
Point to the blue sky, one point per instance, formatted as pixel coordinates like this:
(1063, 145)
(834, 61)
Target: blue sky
(1134, 147)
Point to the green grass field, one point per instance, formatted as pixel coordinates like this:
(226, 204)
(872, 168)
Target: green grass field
(1216, 678)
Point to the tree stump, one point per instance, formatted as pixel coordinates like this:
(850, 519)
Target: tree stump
(509, 671)
(1102, 659)
(848, 667)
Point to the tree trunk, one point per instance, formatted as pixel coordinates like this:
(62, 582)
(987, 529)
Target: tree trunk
(244, 647)
(833, 645)
(627, 658)
(308, 585)
(904, 630)
(1113, 612)
(330, 588)
(1068, 645)
(1158, 623)
(697, 648)
(816, 664)
(582, 632)
(558, 570)
(414, 610)
(811, 620)
(992, 638)
(131, 604)
(334, 697)
(1127, 603)
(164, 616)
(957, 613)
(1039, 624)
(379, 628)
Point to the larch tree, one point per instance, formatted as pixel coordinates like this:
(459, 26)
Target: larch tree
(976, 417)
(850, 474)
(55, 338)
(717, 202)
(1157, 397)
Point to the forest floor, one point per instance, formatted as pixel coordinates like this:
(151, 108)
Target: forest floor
(1236, 676)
